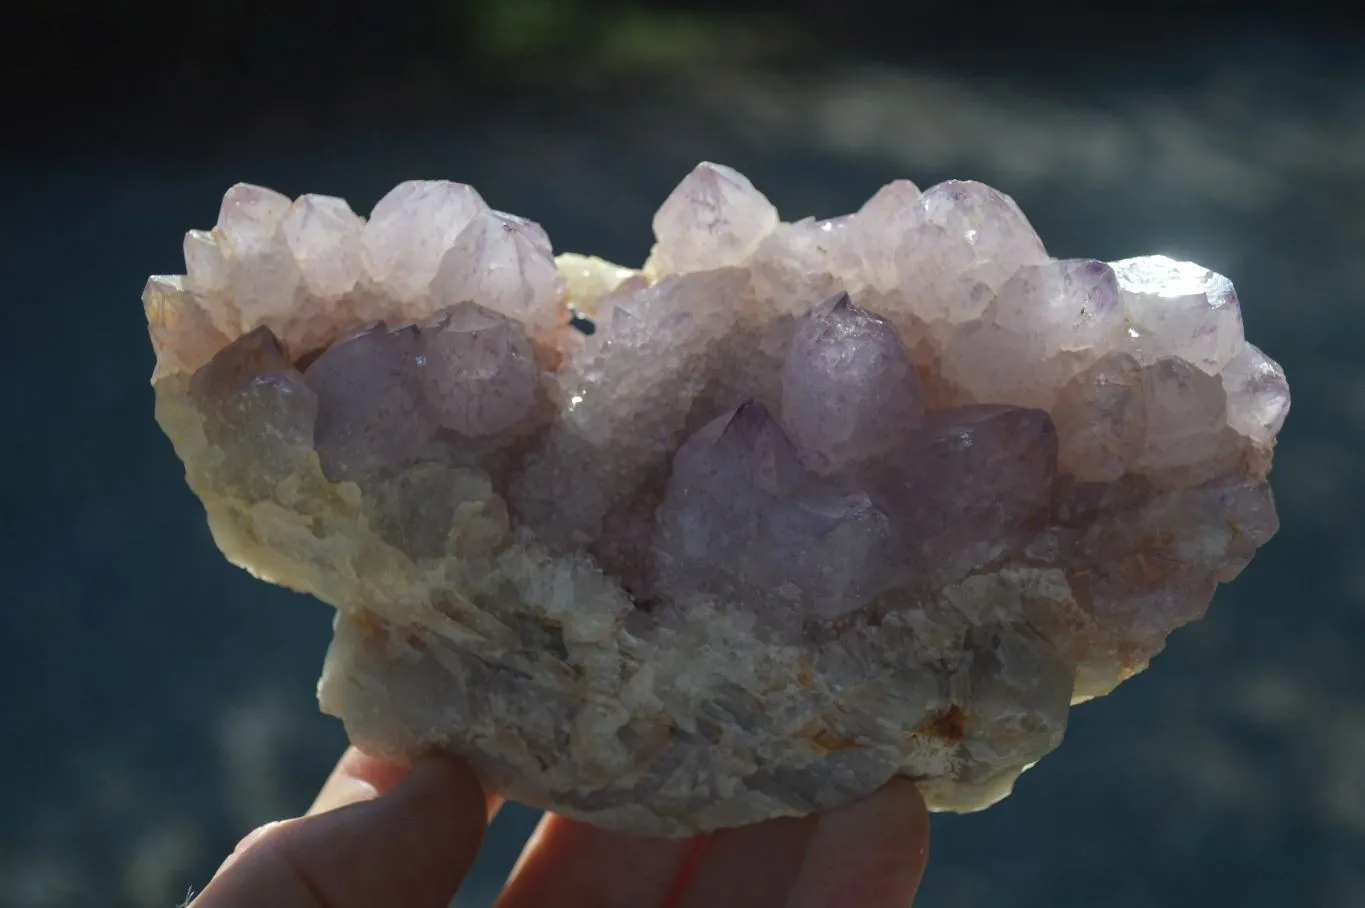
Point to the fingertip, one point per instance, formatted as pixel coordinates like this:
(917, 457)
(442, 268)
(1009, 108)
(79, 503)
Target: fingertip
(869, 853)
(411, 847)
(357, 777)
(446, 790)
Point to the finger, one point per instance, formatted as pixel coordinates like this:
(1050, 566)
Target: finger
(870, 854)
(357, 777)
(410, 847)
(751, 866)
(570, 864)
(361, 777)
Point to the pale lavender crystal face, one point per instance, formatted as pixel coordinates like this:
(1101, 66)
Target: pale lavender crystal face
(1101, 419)
(724, 483)
(714, 219)
(257, 408)
(1047, 323)
(372, 416)
(1186, 410)
(849, 388)
(1258, 395)
(478, 370)
(323, 235)
(1191, 312)
(743, 519)
(410, 231)
(816, 504)
(504, 262)
(258, 270)
(970, 486)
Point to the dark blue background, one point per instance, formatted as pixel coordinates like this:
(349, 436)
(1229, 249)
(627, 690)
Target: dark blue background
(159, 703)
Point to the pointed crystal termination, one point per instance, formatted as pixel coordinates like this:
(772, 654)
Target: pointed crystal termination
(714, 219)
(1186, 414)
(964, 241)
(874, 236)
(505, 263)
(372, 415)
(795, 265)
(323, 234)
(1101, 417)
(1047, 323)
(849, 389)
(257, 410)
(479, 371)
(183, 335)
(1258, 395)
(205, 267)
(261, 273)
(726, 479)
(411, 230)
(626, 395)
(742, 518)
(1191, 312)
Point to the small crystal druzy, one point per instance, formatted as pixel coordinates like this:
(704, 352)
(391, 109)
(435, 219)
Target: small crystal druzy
(816, 504)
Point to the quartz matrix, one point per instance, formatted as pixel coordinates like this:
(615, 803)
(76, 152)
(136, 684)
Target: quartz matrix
(815, 504)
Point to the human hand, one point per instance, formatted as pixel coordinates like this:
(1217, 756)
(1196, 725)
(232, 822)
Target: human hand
(380, 836)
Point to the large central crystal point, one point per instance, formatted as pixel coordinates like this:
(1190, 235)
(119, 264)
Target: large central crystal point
(816, 504)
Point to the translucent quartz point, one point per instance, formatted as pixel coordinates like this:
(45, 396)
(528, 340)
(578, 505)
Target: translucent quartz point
(205, 266)
(372, 415)
(261, 273)
(1191, 312)
(795, 266)
(1258, 395)
(875, 232)
(478, 370)
(1101, 417)
(741, 517)
(816, 504)
(505, 263)
(182, 331)
(849, 389)
(725, 481)
(969, 485)
(715, 218)
(626, 395)
(411, 230)
(1046, 323)
(1186, 412)
(256, 407)
(964, 241)
(323, 234)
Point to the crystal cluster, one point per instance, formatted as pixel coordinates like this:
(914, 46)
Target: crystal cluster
(815, 504)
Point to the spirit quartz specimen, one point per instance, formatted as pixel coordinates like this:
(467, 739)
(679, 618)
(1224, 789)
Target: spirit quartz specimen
(817, 504)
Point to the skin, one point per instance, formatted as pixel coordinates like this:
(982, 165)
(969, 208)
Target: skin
(382, 835)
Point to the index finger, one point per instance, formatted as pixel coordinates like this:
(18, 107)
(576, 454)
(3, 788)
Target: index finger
(410, 847)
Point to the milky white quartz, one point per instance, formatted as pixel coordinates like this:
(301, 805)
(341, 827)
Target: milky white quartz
(814, 504)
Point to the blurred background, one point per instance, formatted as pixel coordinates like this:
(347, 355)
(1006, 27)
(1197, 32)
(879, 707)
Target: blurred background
(159, 703)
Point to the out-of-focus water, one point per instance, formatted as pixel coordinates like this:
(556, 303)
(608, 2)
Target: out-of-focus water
(160, 702)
